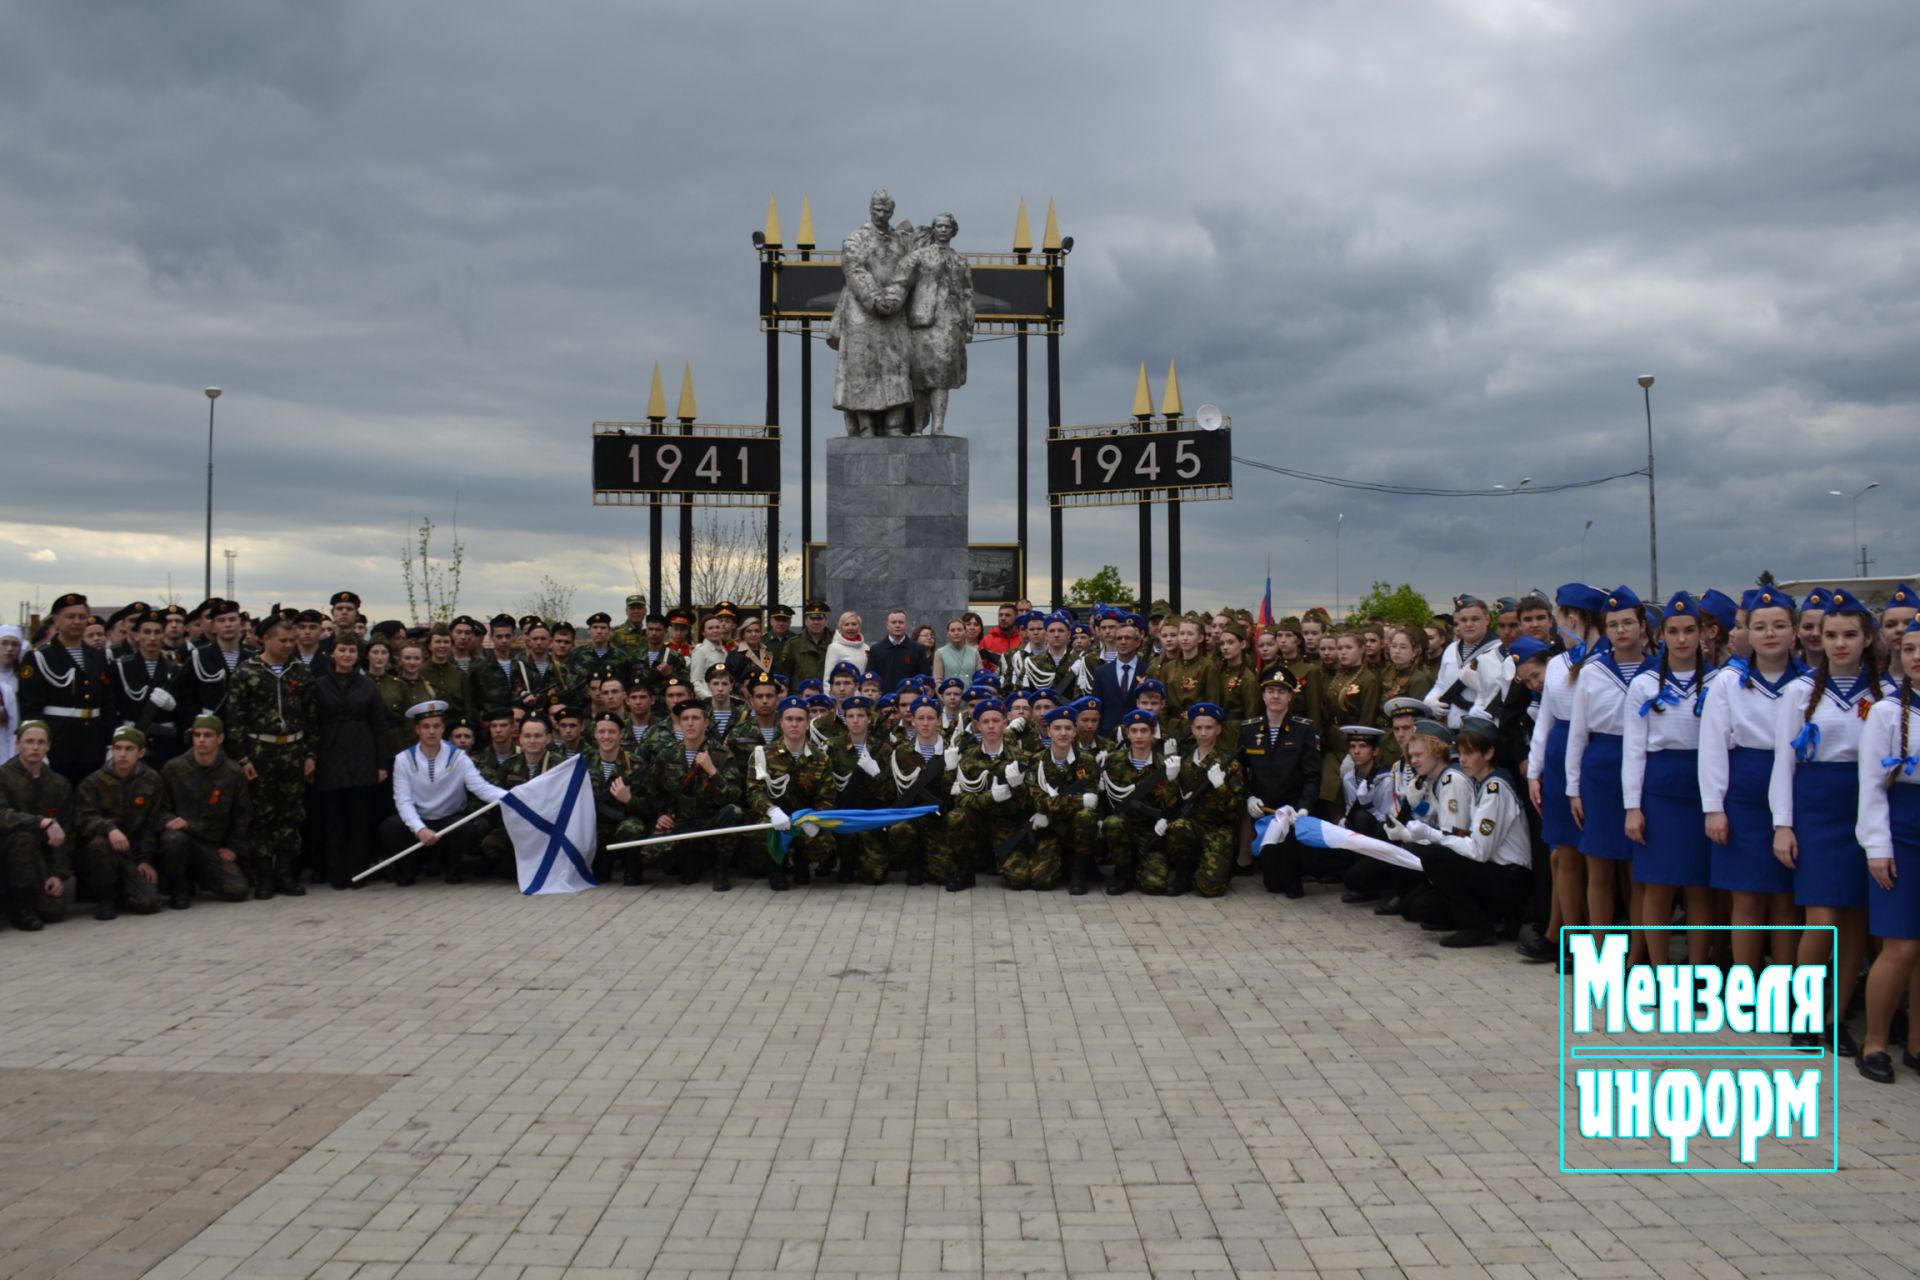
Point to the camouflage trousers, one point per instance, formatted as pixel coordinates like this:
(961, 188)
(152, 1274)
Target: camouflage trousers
(1210, 851)
(30, 863)
(1137, 852)
(1037, 863)
(872, 854)
(279, 800)
(925, 841)
(976, 836)
(119, 873)
(181, 853)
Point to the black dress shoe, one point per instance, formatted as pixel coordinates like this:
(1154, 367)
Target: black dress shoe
(1119, 884)
(1471, 938)
(454, 876)
(1295, 890)
(1436, 926)
(1877, 1067)
(263, 892)
(1390, 906)
(916, 871)
(1247, 870)
(105, 910)
(1538, 950)
(1182, 882)
(180, 900)
(777, 880)
(1354, 897)
(960, 881)
(1911, 1058)
(802, 873)
(26, 920)
(722, 875)
(1844, 1045)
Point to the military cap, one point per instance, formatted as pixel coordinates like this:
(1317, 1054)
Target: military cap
(1139, 715)
(595, 619)
(1209, 709)
(820, 701)
(119, 615)
(885, 702)
(680, 617)
(1578, 595)
(858, 702)
(717, 669)
(272, 618)
(215, 723)
(673, 682)
(390, 628)
(1404, 707)
(1903, 597)
(1281, 678)
(310, 615)
(1526, 649)
(917, 703)
(1719, 606)
(1149, 685)
(1816, 601)
(844, 668)
(612, 718)
(761, 680)
(1843, 602)
(979, 693)
(154, 616)
(989, 703)
(67, 601)
(1365, 731)
(564, 628)
(1505, 604)
(494, 714)
(127, 733)
(221, 608)
(637, 600)
(810, 684)
(500, 620)
(793, 702)
(1766, 598)
(539, 718)
(95, 620)
(173, 611)
(952, 682)
(1052, 714)
(781, 611)
(726, 609)
(815, 606)
(470, 620)
(1622, 598)
(528, 621)
(421, 710)
(565, 711)
(1427, 728)
(659, 618)
(343, 597)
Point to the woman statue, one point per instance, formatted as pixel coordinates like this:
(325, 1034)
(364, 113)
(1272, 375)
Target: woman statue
(939, 323)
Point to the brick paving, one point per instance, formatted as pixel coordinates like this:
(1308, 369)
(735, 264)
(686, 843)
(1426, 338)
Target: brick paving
(461, 1084)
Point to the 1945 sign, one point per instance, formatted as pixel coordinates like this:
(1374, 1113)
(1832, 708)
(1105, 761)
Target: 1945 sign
(1129, 462)
(686, 464)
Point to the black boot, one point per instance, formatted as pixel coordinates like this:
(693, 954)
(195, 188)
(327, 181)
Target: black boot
(179, 896)
(26, 920)
(689, 864)
(263, 884)
(802, 873)
(631, 869)
(1122, 882)
(285, 879)
(844, 875)
(104, 909)
(777, 877)
(1077, 876)
(722, 872)
(916, 868)
(962, 878)
(1181, 882)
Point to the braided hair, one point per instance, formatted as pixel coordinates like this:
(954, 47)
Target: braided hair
(1701, 665)
(1869, 667)
(1906, 702)
(1590, 623)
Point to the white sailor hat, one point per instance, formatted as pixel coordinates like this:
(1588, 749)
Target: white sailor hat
(1361, 730)
(431, 707)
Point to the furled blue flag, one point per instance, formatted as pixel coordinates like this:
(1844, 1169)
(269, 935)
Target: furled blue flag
(552, 823)
(1326, 835)
(845, 822)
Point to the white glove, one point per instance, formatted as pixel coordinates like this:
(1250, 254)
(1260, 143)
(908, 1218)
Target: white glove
(952, 757)
(1100, 758)
(1217, 776)
(1172, 767)
(1170, 747)
(1016, 724)
(1039, 822)
(1395, 828)
(1014, 774)
(1089, 802)
(1160, 827)
(1282, 825)
(778, 817)
(162, 699)
(1423, 833)
(869, 766)
(1256, 807)
(809, 829)
(1001, 792)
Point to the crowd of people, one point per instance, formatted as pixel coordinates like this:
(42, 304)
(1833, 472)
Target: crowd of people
(1551, 762)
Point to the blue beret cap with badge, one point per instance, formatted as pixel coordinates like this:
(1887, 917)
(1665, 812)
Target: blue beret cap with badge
(1768, 597)
(1719, 606)
(792, 702)
(1209, 709)
(922, 701)
(1903, 597)
(1621, 598)
(859, 702)
(1844, 603)
(1052, 714)
(1139, 715)
(844, 668)
(1816, 601)
(1578, 595)
(1526, 649)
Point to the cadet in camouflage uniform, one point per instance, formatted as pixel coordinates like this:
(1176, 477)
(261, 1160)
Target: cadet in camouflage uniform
(405, 685)
(209, 815)
(537, 754)
(699, 783)
(804, 656)
(448, 681)
(857, 762)
(617, 802)
(989, 806)
(1135, 783)
(783, 779)
(272, 731)
(1204, 837)
(921, 770)
(629, 639)
(116, 812)
(758, 725)
(1169, 727)
(38, 848)
(1063, 785)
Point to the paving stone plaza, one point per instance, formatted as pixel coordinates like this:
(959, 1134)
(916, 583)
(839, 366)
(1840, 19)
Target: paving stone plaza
(459, 1083)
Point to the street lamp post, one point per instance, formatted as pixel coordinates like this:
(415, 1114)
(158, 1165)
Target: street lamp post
(1513, 537)
(213, 393)
(1653, 525)
(1338, 521)
(1853, 508)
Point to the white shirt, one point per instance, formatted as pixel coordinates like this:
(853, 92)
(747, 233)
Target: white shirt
(1837, 717)
(430, 789)
(1556, 707)
(1740, 712)
(1880, 742)
(1599, 706)
(1666, 726)
(1496, 827)
(1483, 671)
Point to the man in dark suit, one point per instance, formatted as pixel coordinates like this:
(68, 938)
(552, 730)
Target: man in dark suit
(70, 685)
(1113, 681)
(895, 656)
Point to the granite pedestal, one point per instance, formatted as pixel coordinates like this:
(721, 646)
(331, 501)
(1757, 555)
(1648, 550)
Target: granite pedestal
(896, 529)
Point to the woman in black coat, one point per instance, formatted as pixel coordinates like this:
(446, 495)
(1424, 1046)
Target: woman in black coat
(350, 762)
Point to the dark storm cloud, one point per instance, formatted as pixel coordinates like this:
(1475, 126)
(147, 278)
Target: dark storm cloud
(424, 246)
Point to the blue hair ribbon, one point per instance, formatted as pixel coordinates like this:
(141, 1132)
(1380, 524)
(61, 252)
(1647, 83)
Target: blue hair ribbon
(1894, 762)
(1807, 745)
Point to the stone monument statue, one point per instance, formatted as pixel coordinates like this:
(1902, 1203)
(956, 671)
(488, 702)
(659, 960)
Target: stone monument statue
(901, 324)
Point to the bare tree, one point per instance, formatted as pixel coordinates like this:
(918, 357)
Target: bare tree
(550, 601)
(729, 561)
(433, 590)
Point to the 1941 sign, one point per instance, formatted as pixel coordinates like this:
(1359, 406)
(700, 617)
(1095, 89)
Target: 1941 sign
(695, 464)
(1130, 464)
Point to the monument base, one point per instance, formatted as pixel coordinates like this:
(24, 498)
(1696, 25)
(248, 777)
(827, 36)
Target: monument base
(896, 530)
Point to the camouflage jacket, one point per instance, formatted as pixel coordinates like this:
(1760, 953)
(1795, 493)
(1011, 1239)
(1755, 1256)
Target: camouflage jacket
(916, 780)
(1210, 805)
(1125, 789)
(686, 791)
(106, 802)
(1188, 680)
(803, 657)
(215, 801)
(778, 778)
(1059, 790)
(263, 707)
(519, 770)
(609, 810)
(397, 694)
(974, 780)
(854, 787)
(25, 799)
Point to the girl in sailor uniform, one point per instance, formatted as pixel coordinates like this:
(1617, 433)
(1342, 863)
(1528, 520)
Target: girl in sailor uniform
(1595, 749)
(1480, 866)
(1814, 793)
(1579, 610)
(1889, 830)
(1736, 767)
(1660, 781)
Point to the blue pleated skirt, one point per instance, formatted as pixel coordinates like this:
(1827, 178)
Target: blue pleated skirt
(1557, 826)
(1895, 913)
(1832, 867)
(1605, 835)
(1745, 864)
(1677, 848)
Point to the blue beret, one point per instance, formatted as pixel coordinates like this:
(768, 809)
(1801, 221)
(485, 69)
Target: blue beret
(1057, 713)
(793, 702)
(1139, 715)
(952, 682)
(1622, 598)
(1767, 598)
(844, 669)
(884, 702)
(1211, 709)
(920, 702)
(858, 702)
(1578, 595)
(809, 685)
(1525, 649)
(820, 701)
(1149, 686)
(987, 704)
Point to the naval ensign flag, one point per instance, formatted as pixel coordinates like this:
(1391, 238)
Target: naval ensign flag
(552, 824)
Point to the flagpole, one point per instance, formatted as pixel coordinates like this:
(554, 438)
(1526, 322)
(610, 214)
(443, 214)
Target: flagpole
(421, 844)
(671, 836)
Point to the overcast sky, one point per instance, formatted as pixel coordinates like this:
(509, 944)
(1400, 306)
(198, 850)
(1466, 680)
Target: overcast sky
(423, 246)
